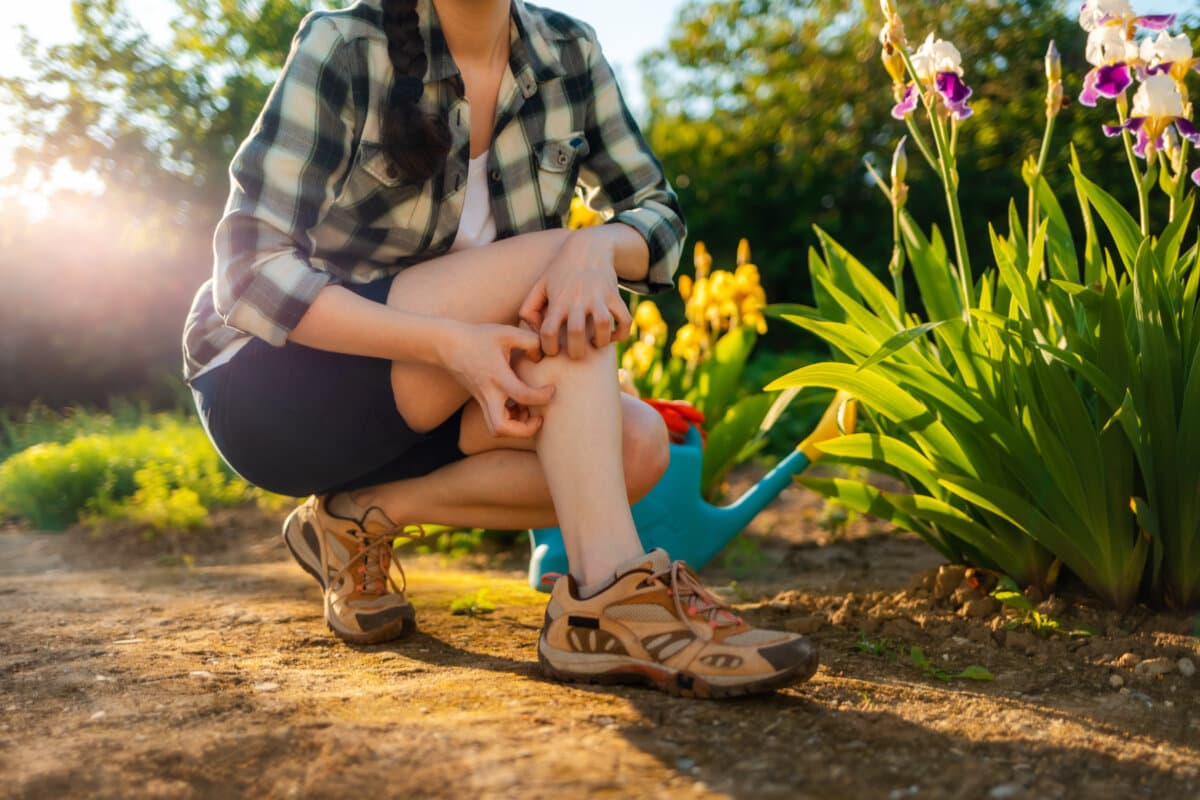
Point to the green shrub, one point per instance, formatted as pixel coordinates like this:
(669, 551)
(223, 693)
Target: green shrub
(163, 473)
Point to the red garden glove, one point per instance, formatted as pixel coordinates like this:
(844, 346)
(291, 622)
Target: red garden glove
(679, 416)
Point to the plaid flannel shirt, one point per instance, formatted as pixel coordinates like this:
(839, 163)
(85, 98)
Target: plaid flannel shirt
(312, 201)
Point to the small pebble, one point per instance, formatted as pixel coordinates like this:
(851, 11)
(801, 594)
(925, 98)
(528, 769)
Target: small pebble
(1116, 681)
(979, 607)
(266, 686)
(1128, 661)
(1155, 667)
(99, 715)
(1187, 667)
(202, 674)
(1006, 790)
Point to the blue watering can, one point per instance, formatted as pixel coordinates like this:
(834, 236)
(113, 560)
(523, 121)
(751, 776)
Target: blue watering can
(676, 518)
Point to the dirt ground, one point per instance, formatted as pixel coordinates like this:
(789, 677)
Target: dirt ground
(200, 666)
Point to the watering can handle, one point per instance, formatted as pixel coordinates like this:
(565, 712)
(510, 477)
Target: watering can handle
(839, 419)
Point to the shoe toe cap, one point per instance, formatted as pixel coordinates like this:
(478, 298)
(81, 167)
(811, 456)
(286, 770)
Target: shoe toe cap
(798, 654)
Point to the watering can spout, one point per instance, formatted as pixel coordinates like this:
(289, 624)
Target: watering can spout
(839, 419)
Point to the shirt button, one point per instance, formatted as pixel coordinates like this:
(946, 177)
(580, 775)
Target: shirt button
(494, 175)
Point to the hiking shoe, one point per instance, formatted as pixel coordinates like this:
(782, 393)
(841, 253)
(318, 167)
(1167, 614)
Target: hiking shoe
(350, 554)
(658, 625)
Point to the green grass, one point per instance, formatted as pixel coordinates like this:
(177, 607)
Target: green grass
(158, 470)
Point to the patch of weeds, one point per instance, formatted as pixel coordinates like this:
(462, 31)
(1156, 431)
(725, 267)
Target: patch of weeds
(472, 604)
(1009, 595)
(879, 648)
(743, 557)
(972, 673)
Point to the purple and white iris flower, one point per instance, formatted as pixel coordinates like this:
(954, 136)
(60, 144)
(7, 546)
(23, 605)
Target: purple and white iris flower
(1169, 54)
(1113, 58)
(938, 65)
(1119, 13)
(1157, 106)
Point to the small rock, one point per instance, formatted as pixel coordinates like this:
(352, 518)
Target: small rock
(1187, 667)
(922, 582)
(1116, 681)
(1006, 790)
(1128, 661)
(99, 715)
(979, 607)
(1021, 640)
(965, 593)
(266, 686)
(202, 674)
(949, 577)
(1155, 667)
(803, 625)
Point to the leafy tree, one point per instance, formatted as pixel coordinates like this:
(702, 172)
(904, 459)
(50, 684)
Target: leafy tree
(763, 110)
(158, 122)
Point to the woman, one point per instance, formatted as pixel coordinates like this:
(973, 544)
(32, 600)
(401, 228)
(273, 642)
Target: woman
(399, 326)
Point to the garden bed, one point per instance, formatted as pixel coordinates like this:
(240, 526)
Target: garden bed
(198, 665)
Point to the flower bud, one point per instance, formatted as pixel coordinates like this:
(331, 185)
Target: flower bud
(1053, 64)
(893, 61)
(701, 259)
(900, 174)
(900, 161)
(1054, 99)
(743, 252)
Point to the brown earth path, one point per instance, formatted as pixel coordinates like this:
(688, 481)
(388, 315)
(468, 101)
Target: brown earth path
(199, 666)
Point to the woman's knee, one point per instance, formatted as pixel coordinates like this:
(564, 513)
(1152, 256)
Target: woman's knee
(646, 447)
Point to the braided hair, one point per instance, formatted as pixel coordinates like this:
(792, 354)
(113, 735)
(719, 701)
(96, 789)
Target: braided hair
(415, 142)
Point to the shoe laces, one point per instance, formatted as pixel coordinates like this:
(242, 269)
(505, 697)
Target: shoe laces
(693, 600)
(369, 567)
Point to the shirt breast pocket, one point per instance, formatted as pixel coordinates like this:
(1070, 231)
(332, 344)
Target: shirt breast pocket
(376, 192)
(559, 161)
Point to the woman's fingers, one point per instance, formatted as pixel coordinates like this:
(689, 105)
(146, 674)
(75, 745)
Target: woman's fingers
(621, 317)
(577, 343)
(550, 328)
(533, 309)
(602, 323)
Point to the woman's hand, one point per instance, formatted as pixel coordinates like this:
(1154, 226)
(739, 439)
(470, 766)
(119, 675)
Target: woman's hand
(480, 358)
(576, 299)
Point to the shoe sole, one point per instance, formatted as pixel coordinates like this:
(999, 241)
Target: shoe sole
(293, 537)
(293, 528)
(681, 683)
(402, 627)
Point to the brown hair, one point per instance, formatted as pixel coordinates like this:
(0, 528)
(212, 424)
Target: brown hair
(417, 143)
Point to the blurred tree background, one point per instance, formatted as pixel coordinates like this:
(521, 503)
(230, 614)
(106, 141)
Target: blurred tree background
(761, 111)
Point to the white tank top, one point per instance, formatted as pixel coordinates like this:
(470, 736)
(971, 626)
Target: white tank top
(477, 227)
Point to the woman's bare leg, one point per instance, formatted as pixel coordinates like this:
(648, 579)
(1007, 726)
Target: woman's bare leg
(579, 448)
(501, 483)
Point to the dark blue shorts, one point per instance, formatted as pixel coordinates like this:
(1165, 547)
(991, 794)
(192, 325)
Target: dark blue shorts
(297, 421)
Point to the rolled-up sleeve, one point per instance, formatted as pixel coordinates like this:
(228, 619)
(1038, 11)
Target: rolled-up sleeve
(283, 179)
(621, 172)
